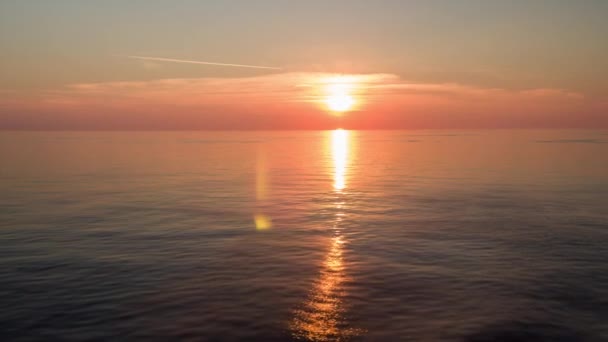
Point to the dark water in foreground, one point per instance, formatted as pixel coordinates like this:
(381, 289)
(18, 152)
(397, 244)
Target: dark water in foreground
(319, 236)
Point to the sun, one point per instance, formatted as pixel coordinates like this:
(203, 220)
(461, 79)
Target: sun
(339, 94)
(340, 102)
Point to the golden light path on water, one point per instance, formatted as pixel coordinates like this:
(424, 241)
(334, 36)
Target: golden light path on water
(339, 148)
(321, 318)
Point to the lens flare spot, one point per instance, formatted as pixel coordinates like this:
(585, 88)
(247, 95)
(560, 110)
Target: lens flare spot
(262, 222)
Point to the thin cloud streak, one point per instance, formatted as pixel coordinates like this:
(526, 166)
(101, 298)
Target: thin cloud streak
(172, 60)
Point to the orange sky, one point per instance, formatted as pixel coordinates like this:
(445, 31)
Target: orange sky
(296, 101)
(434, 64)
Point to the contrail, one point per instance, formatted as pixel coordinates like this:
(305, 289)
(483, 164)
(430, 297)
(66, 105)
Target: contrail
(204, 63)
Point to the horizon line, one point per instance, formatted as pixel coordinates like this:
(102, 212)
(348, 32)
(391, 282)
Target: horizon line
(303, 129)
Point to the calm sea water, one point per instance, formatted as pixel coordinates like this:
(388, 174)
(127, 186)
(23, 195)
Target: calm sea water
(314, 236)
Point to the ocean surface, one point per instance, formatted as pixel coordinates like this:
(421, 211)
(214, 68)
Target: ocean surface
(313, 236)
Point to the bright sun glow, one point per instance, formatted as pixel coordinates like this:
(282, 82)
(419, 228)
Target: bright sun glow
(340, 102)
(339, 96)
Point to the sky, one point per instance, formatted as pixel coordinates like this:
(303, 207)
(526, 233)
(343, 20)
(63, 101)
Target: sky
(317, 64)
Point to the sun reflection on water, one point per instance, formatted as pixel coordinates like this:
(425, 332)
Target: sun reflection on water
(322, 316)
(339, 151)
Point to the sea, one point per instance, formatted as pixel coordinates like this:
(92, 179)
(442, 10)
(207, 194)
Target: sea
(438, 235)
